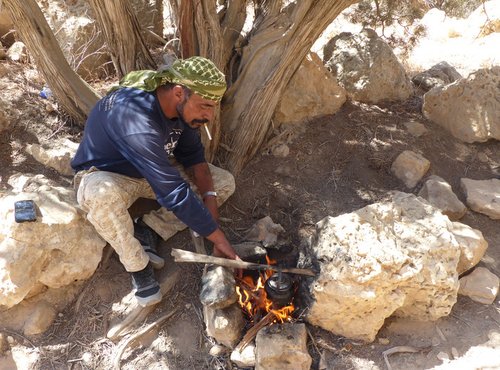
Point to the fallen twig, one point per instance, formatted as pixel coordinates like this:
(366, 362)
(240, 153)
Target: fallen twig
(401, 349)
(123, 346)
(252, 332)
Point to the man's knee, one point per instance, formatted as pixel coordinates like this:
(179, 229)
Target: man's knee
(100, 188)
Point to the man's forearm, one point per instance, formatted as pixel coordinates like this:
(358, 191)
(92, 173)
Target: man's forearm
(202, 178)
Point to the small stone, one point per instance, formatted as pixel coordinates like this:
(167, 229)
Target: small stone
(87, 357)
(225, 325)
(188, 306)
(245, 358)
(281, 151)
(416, 129)
(384, 341)
(454, 353)
(60, 314)
(440, 194)
(218, 350)
(443, 356)
(218, 287)
(410, 167)
(17, 52)
(10, 340)
(480, 285)
(482, 196)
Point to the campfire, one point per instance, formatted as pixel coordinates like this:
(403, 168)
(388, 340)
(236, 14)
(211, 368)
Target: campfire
(271, 293)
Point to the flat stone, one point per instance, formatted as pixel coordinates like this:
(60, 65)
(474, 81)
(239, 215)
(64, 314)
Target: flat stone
(472, 244)
(410, 167)
(480, 285)
(218, 350)
(57, 155)
(483, 196)
(265, 231)
(218, 287)
(282, 346)
(439, 193)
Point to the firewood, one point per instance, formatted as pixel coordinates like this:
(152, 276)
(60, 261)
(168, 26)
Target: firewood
(186, 256)
(252, 332)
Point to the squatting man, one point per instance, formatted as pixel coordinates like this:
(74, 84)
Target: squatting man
(136, 142)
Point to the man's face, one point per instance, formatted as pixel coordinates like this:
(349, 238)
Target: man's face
(196, 111)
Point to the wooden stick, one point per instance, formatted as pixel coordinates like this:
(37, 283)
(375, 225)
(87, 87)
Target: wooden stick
(137, 335)
(186, 256)
(252, 332)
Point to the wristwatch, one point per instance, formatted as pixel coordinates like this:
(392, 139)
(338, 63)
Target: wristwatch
(209, 194)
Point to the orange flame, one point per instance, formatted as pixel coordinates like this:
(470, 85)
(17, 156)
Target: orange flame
(252, 297)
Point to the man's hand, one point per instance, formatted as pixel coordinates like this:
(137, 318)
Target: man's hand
(222, 247)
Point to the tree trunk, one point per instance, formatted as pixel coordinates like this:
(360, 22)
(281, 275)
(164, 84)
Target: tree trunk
(279, 43)
(123, 36)
(73, 94)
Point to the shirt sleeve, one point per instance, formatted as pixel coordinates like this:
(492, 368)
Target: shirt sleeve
(189, 150)
(143, 147)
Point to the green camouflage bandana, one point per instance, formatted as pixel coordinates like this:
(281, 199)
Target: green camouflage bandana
(196, 73)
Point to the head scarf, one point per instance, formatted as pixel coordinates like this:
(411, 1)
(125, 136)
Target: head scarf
(196, 73)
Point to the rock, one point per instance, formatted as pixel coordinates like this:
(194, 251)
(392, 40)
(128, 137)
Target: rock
(410, 167)
(17, 53)
(468, 108)
(439, 193)
(218, 288)
(265, 231)
(311, 92)
(56, 154)
(366, 67)
(218, 350)
(482, 196)
(443, 356)
(384, 341)
(57, 249)
(438, 75)
(250, 251)
(397, 257)
(282, 346)
(225, 325)
(416, 129)
(245, 358)
(40, 320)
(472, 246)
(480, 285)
(281, 151)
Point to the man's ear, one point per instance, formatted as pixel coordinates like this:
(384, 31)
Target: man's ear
(178, 92)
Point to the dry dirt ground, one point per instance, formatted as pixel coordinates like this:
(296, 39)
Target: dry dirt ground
(336, 164)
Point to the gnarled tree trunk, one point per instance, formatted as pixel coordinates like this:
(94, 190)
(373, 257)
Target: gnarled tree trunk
(123, 36)
(73, 94)
(268, 57)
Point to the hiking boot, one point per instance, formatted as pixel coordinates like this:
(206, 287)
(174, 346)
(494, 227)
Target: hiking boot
(149, 241)
(147, 289)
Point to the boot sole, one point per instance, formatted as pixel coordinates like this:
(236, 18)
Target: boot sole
(156, 261)
(150, 300)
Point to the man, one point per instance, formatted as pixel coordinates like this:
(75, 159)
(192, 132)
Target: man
(124, 155)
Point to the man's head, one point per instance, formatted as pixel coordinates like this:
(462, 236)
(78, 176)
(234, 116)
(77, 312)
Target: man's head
(198, 85)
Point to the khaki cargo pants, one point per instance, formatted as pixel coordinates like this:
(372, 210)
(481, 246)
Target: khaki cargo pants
(107, 196)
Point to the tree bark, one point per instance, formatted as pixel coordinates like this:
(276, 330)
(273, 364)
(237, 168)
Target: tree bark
(276, 49)
(123, 35)
(73, 94)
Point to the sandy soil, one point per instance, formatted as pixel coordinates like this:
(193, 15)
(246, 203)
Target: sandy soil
(336, 164)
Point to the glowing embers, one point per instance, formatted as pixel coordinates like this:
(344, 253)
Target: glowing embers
(269, 293)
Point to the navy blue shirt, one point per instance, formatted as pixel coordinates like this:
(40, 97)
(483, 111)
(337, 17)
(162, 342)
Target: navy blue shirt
(127, 133)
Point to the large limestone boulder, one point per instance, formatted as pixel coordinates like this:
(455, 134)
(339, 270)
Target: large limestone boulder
(56, 250)
(366, 67)
(311, 92)
(468, 108)
(397, 257)
(483, 196)
(57, 154)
